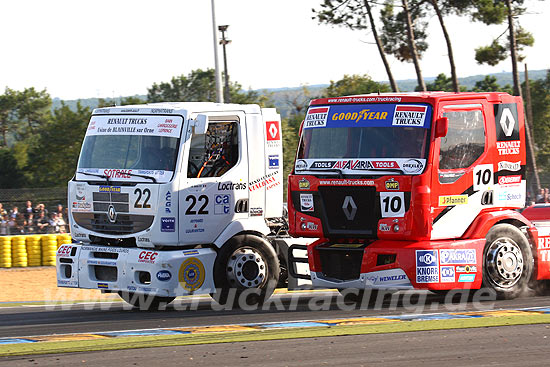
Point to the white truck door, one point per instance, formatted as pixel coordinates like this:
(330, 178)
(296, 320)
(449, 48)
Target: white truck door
(215, 192)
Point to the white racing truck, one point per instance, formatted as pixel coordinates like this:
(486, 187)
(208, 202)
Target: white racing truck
(175, 199)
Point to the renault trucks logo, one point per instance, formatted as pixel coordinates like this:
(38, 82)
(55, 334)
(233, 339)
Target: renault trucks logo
(316, 117)
(273, 132)
(111, 213)
(349, 207)
(507, 122)
(409, 115)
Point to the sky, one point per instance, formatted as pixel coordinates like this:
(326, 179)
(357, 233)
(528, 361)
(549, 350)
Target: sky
(110, 48)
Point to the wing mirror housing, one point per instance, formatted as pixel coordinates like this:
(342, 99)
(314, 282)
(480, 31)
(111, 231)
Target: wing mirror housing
(441, 127)
(201, 124)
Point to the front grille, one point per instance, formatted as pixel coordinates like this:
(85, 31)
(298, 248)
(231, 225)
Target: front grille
(102, 201)
(351, 209)
(341, 263)
(124, 223)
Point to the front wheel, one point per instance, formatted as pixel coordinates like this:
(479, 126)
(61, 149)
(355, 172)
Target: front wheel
(507, 261)
(246, 270)
(145, 302)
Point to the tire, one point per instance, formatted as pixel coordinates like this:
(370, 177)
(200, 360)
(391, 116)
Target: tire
(246, 270)
(145, 302)
(507, 261)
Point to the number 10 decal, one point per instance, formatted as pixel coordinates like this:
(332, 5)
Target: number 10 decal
(483, 176)
(392, 204)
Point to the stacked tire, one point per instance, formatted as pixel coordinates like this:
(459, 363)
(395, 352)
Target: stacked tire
(34, 250)
(63, 239)
(19, 255)
(5, 252)
(49, 249)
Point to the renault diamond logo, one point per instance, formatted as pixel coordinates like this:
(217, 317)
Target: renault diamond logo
(111, 213)
(349, 207)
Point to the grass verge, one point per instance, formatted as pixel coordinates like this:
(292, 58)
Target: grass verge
(111, 343)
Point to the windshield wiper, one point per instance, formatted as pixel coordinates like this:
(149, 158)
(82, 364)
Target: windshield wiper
(142, 176)
(105, 177)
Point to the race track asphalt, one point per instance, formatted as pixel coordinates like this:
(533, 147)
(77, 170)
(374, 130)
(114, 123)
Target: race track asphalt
(521, 345)
(98, 317)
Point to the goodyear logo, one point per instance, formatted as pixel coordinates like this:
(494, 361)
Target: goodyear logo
(363, 115)
(453, 200)
(391, 184)
(109, 188)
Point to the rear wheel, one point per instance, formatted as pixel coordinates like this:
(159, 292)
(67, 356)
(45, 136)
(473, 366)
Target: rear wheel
(246, 270)
(144, 301)
(507, 261)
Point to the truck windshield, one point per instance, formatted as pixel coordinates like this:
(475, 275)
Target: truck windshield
(374, 138)
(130, 148)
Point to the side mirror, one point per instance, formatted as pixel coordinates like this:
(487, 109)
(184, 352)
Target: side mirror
(201, 124)
(301, 128)
(441, 127)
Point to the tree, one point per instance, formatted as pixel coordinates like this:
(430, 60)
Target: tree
(8, 103)
(404, 34)
(354, 84)
(11, 176)
(198, 86)
(540, 92)
(33, 109)
(53, 156)
(355, 15)
(489, 84)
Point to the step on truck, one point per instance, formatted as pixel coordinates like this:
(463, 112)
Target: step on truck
(175, 199)
(416, 191)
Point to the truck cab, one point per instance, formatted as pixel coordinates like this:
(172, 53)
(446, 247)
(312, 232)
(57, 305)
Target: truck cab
(161, 190)
(414, 191)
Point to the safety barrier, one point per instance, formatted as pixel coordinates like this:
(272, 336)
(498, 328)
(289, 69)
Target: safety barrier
(32, 250)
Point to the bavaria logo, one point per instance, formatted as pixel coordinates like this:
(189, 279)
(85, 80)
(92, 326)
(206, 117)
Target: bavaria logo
(164, 275)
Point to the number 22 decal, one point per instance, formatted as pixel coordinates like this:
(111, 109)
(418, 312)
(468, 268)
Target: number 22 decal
(193, 199)
(146, 194)
(392, 204)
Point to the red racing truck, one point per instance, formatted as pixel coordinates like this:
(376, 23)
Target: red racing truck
(416, 191)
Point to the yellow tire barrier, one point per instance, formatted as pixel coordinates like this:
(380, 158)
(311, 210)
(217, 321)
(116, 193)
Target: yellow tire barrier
(5, 252)
(19, 252)
(34, 250)
(49, 249)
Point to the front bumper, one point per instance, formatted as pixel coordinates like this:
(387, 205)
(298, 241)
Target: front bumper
(138, 270)
(384, 264)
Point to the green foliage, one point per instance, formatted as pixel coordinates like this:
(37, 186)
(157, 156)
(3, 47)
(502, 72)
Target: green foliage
(394, 36)
(198, 86)
(8, 102)
(11, 176)
(33, 109)
(441, 83)
(52, 157)
(499, 50)
(540, 102)
(346, 13)
(291, 129)
(354, 84)
(123, 101)
(489, 84)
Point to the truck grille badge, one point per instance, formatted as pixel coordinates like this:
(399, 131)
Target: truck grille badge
(111, 214)
(349, 207)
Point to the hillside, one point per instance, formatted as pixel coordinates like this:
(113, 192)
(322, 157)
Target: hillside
(283, 98)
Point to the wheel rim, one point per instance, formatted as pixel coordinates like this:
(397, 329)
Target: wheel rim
(504, 262)
(246, 267)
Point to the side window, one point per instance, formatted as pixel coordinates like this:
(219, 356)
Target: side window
(216, 152)
(463, 145)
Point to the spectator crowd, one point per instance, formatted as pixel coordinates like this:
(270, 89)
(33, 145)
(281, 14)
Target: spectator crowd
(33, 220)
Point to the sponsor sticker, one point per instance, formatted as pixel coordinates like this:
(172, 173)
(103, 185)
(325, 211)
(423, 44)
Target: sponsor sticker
(409, 115)
(80, 192)
(273, 161)
(109, 188)
(316, 117)
(448, 274)
(103, 285)
(509, 166)
(427, 266)
(457, 256)
(306, 202)
(148, 257)
(222, 204)
(391, 184)
(256, 212)
(466, 278)
(300, 165)
(508, 147)
(412, 166)
(164, 275)
(168, 224)
(191, 274)
(509, 180)
(466, 269)
(303, 184)
(384, 227)
(230, 186)
(453, 200)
